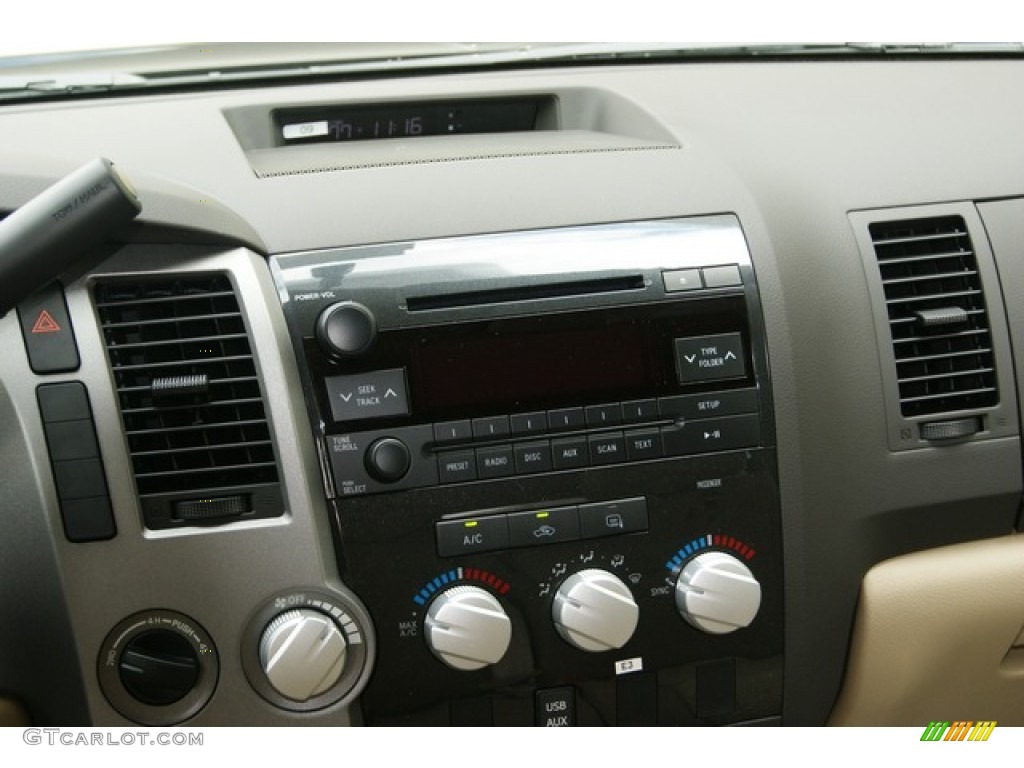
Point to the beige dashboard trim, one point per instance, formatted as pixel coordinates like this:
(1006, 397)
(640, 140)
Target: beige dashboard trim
(12, 714)
(938, 637)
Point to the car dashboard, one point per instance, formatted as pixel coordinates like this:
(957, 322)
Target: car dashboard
(673, 393)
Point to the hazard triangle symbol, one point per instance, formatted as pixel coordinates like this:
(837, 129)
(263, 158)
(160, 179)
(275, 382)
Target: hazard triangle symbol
(45, 323)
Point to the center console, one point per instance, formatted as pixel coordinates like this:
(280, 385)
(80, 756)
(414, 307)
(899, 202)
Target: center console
(550, 461)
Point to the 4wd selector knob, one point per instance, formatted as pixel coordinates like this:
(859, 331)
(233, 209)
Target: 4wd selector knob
(717, 593)
(467, 628)
(595, 611)
(302, 653)
(345, 329)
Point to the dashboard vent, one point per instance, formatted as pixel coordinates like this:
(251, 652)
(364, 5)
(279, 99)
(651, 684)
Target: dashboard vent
(190, 397)
(936, 308)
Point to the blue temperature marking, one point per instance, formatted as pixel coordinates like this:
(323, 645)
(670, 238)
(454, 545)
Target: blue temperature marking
(432, 586)
(693, 547)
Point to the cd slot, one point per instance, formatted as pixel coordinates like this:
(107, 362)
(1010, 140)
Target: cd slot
(526, 293)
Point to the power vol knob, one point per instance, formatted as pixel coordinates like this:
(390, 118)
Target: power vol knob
(302, 653)
(345, 329)
(467, 628)
(595, 611)
(717, 593)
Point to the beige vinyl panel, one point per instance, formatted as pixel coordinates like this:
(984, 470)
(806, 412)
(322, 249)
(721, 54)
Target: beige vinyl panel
(939, 635)
(12, 714)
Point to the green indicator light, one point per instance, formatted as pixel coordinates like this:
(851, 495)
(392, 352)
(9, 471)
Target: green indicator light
(471, 523)
(542, 515)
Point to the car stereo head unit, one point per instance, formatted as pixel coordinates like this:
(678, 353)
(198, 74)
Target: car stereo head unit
(517, 425)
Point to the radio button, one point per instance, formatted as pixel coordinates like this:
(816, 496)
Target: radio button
(464, 537)
(607, 415)
(496, 461)
(640, 410)
(606, 449)
(708, 358)
(491, 426)
(610, 518)
(569, 453)
(543, 526)
(532, 457)
(708, 406)
(457, 467)
(528, 423)
(453, 431)
(643, 444)
(566, 418)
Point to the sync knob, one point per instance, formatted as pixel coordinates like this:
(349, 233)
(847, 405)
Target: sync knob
(467, 628)
(717, 593)
(302, 653)
(595, 611)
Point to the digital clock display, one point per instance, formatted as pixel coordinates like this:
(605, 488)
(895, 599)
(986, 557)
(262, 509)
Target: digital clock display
(403, 121)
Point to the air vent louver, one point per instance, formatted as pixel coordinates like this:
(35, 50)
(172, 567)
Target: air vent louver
(940, 330)
(187, 441)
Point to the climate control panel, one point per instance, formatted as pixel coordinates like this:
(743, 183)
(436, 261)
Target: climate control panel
(667, 610)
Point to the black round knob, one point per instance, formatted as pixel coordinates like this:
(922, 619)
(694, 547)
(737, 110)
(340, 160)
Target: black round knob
(388, 459)
(159, 667)
(346, 329)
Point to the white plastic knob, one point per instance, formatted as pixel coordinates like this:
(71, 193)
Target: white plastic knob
(303, 653)
(717, 593)
(467, 628)
(595, 611)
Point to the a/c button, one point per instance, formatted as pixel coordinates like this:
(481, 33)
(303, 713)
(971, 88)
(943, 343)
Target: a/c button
(479, 534)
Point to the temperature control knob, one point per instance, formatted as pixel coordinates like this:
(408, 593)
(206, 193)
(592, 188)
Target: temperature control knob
(302, 653)
(345, 329)
(467, 628)
(717, 593)
(595, 611)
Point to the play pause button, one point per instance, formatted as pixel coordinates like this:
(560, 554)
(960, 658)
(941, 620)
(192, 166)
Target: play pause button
(708, 435)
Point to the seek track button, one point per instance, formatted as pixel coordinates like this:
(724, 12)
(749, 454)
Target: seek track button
(370, 395)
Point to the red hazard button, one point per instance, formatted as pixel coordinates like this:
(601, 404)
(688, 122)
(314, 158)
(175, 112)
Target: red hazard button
(47, 332)
(45, 323)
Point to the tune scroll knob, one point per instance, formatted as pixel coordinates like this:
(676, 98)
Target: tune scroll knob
(717, 593)
(388, 460)
(346, 329)
(302, 653)
(467, 628)
(595, 611)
